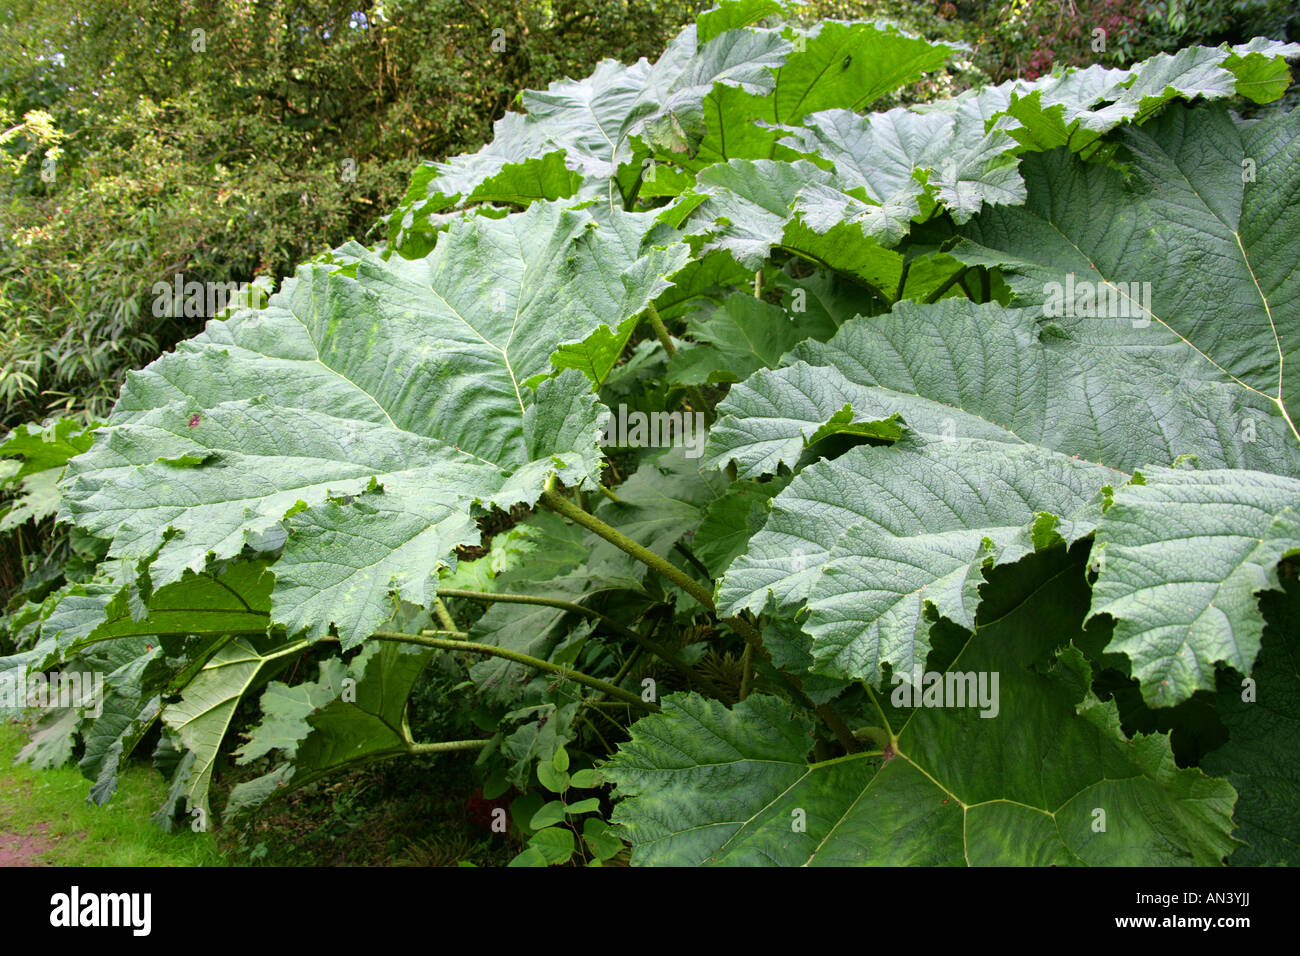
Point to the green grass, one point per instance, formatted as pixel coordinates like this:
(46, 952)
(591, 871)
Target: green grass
(50, 807)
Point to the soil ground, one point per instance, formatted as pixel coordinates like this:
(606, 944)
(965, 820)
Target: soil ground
(24, 849)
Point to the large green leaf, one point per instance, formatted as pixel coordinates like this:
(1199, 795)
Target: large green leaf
(130, 709)
(730, 521)
(235, 599)
(366, 415)
(963, 152)
(584, 128)
(597, 354)
(45, 447)
(956, 369)
(733, 15)
(893, 157)
(32, 457)
(1076, 108)
(531, 629)
(670, 112)
(346, 717)
(1217, 252)
(538, 549)
(833, 64)
(203, 715)
(1183, 556)
(740, 337)
(748, 208)
(717, 92)
(989, 387)
(707, 279)
(285, 710)
(881, 540)
(52, 739)
(745, 207)
(1049, 780)
(659, 503)
(888, 169)
(878, 538)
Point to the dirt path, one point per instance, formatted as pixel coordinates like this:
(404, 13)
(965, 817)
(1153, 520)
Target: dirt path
(22, 849)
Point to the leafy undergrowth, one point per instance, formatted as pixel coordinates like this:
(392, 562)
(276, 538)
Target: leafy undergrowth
(419, 813)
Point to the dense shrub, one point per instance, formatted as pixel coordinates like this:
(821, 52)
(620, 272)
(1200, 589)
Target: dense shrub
(226, 140)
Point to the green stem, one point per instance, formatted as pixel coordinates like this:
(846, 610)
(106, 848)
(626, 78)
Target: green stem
(884, 721)
(859, 754)
(186, 673)
(690, 556)
(491, 597)
(746, 670)
(198, 632)
(627, 665)
(599, 736)
(445, 746)
(461, 635)
(661, 333)
(661, 330)
(558, 503)
(619, 677)
(970, 294)
(839, 728)
(609, 622)
(518, 658)
(561, 505)
(444, 616)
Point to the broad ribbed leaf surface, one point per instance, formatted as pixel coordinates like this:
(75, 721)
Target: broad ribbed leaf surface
(702, 784)
(1197, 267)
(366, 416)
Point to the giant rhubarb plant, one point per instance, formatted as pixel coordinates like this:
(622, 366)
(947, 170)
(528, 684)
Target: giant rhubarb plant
(1001, 399)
